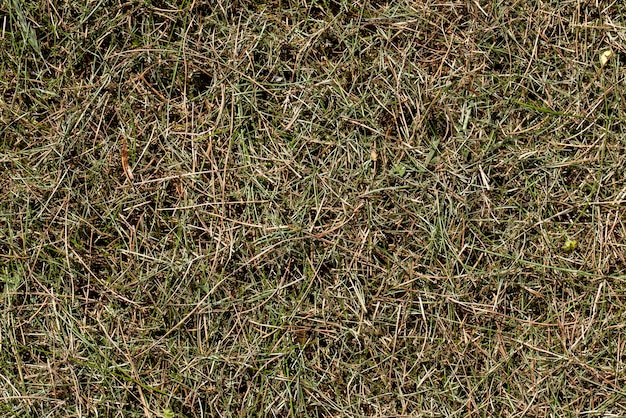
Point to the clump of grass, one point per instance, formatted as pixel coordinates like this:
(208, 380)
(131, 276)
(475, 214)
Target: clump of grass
(310, 209)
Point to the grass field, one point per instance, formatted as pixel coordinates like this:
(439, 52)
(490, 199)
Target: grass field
(312, 208)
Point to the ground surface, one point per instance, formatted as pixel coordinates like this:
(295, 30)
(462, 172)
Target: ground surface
(312, 208)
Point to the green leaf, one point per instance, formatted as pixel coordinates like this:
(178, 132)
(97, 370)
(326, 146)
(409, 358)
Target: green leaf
(570, 245)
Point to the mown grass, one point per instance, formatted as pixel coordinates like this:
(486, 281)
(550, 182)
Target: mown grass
(316, 208)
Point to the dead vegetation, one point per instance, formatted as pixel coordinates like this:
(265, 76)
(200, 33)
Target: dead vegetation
(311, 208)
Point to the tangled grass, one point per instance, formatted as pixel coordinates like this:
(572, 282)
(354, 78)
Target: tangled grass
(312, 208)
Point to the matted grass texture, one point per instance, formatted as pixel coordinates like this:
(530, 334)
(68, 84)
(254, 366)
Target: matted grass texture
(312, 208)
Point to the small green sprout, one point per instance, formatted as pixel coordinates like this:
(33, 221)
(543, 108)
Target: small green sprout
(399, 170)
(570, 245)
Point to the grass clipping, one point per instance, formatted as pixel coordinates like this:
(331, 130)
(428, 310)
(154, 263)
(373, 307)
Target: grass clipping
(311, 209)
